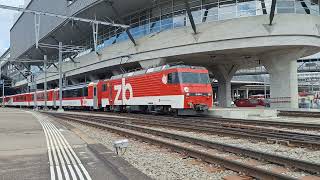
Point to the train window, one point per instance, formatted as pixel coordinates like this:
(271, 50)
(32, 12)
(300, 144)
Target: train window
(72, 93)
(85, 91)
(173, 78)
(94, 91)
(104, 87)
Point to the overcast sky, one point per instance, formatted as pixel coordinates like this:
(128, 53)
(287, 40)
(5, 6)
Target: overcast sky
(6, 22)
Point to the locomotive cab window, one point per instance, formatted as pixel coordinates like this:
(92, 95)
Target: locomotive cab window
(196, 78)
(173, 78)
(188, 77)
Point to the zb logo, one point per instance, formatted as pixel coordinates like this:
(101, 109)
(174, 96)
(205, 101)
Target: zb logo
(122, 90)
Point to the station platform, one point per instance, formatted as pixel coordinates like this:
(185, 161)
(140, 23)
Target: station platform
(33, 146)
(244, 113)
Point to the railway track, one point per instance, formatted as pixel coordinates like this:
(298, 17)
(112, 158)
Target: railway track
(214, 120)
(121, 127)
(235, 130)
(300, 114)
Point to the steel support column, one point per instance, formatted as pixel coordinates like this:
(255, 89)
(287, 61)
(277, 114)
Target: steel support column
(305, 7)
(193, 25)
(272, 11)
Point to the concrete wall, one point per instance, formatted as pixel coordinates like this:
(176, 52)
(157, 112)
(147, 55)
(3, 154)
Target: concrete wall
(246, 36)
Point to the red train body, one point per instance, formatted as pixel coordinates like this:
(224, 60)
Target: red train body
(179, 89)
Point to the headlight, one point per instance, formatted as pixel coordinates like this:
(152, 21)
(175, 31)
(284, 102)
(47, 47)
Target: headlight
(186, 89)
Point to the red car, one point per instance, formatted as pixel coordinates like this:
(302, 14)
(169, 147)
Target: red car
(251, 102)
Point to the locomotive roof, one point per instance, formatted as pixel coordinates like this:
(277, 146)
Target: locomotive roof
(155, 69)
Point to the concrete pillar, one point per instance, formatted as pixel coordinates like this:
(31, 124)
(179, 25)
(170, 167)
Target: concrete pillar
(224, 93)
(282, 67)
(224, 74)
(152, 63)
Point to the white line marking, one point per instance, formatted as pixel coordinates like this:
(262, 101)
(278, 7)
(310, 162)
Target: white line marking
(73, 156)
(61, 150)
(64, 151)
(56, 161)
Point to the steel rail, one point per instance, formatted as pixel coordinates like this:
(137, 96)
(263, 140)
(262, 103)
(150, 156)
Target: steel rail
(295, 125)
(226, 124)
(300, 114)
(207, 157)
(290, 162)
(270, 135)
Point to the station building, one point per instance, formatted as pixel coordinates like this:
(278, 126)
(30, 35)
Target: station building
(224, 36)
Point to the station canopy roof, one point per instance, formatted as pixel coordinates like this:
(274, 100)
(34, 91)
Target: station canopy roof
(72, 32)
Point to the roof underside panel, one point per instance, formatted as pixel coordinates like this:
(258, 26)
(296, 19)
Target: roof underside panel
(53, 30)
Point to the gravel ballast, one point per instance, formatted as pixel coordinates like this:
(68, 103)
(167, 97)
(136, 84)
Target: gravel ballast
(158, 163)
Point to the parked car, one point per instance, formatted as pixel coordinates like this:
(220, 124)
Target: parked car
(252, 102)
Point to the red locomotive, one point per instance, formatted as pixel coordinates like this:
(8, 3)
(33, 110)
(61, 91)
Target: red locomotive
(184, 90)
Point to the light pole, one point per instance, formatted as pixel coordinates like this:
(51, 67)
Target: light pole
(2, 81)
(45, 83)
(34, 84)
(265, 87)
(60, 78)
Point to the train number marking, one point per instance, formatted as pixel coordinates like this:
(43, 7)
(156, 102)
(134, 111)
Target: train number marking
(121, 90)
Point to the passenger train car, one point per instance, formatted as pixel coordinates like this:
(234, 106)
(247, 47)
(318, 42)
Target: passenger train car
(183, 90)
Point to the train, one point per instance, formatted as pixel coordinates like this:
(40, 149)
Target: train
(178, 89)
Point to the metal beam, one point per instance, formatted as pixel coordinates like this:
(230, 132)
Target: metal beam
(305, 7)
(24, 65)
(193, 25)
(19, 71)
(272, 11)
(55, 66)
(42, 52)
(61, 16)
(24, 60)
(72, 58)
(131, 37)
(263, 5)
(54, 38)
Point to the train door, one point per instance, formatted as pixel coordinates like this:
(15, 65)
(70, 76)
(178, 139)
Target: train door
(54, 99)
(110, 94)
(95, 97)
